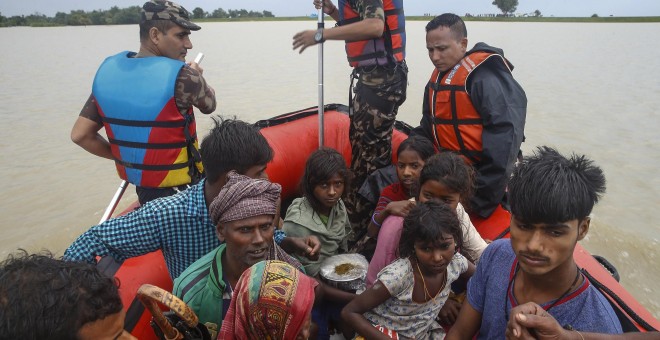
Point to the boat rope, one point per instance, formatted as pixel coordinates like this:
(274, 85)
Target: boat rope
(295, 115)
(629, 312)
(502, 234)
(607, 265)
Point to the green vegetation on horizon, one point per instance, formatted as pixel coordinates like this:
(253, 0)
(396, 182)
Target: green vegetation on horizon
(557, 19)
(553, 19)
(494, 19)
(130, 15)
(119, 16)
(509, 6)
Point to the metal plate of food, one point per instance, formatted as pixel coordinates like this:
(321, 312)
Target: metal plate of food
(345, 271)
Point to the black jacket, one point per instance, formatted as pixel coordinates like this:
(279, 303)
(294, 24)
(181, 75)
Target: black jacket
(502, 104)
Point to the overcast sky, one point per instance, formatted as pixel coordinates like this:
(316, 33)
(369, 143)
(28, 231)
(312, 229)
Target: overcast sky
(570, 8)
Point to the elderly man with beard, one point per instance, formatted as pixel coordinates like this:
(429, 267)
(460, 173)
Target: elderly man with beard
(244, 213)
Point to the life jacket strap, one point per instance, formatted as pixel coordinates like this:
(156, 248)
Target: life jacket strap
(440, 87)
(143, 123)
(473, 121)
(193, 154)
(152, 167)
(137, 145)
(374, 55)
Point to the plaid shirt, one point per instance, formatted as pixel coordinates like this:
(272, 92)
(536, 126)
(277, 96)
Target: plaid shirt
(179, 225)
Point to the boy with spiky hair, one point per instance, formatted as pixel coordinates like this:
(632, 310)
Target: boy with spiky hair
(551, 199)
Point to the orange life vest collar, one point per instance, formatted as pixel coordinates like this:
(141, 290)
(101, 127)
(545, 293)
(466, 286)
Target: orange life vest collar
(457, 126)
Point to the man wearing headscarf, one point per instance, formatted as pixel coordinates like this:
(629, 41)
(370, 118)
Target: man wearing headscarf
(243, 213)
(273, 300)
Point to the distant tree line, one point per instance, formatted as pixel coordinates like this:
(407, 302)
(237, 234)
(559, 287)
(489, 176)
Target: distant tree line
(220, 13)
(506, 6)
(115, 16)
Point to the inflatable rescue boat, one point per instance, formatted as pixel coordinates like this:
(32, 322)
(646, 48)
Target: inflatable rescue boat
(293, 137)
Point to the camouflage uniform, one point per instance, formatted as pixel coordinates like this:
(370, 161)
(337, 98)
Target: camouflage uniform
(167, 10)
(379, 92)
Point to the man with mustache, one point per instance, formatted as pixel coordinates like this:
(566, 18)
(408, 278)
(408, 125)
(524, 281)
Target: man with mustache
(551, 199)
(244, 213)
(145, 102)
(473, 106)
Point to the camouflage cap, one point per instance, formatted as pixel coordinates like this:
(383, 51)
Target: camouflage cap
(167, 10)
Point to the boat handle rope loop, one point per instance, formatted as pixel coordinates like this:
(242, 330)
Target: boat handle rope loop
(151, 296)
(629, 311)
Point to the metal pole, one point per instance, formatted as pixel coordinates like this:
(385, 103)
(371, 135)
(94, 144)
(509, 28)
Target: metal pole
(115, 200)
(321, 25)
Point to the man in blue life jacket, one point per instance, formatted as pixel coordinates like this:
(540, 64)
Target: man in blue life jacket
(375, 36)
(145, 102)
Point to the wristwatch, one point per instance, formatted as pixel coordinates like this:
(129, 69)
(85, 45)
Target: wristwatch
(318, 37)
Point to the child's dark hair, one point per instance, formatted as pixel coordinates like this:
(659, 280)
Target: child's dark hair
(45, 298)
(233, 145)
(419, 144)
(321, 165)
(427, 222)
(547, 187)
(451, 170)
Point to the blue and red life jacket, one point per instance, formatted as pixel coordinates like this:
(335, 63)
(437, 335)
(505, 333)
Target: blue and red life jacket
(153, 143)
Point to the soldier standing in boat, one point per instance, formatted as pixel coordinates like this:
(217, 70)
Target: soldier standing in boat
(145, 102)
(374, 31)
(474, 107)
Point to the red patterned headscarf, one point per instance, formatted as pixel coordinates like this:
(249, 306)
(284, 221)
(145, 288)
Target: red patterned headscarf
(271, 300)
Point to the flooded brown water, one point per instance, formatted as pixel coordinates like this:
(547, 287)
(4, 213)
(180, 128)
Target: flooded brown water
(592, 89)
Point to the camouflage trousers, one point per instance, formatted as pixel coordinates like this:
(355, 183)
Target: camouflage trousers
(378, 95)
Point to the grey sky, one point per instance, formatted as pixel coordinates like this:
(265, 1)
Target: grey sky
(579, 8)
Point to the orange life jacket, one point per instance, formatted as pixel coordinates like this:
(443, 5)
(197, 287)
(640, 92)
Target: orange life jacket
(388, 49)
(457, 126)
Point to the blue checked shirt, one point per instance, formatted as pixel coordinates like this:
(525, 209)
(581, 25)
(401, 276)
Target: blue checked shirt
(179, 225)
